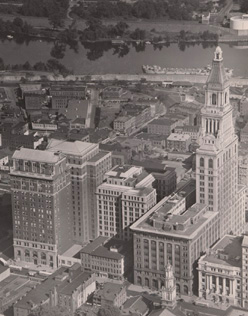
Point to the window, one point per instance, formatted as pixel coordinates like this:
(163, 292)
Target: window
(214, 99)
(201, 162)
(210, 163)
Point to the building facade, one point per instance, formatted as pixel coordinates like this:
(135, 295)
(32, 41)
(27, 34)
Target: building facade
(178, 142)
(124, 124)
(41, 206)
(110, 294)
(97, 258)
(124, 197)
(61, 94)
(161, 126)
(217, 157)
(223, 276)
(66, 287)
(87, 169)
(169, 233)
(239, 24)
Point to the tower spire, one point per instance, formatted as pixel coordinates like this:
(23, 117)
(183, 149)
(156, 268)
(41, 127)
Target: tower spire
(217, 156)
(217, 79)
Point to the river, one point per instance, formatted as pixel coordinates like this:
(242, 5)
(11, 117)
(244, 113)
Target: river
(100, 58)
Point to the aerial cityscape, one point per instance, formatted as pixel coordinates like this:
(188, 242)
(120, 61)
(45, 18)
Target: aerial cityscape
(124, 157)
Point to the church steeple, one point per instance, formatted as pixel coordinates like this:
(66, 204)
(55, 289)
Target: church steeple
(168, 292)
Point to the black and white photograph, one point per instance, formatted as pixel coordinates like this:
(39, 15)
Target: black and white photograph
(123, 157)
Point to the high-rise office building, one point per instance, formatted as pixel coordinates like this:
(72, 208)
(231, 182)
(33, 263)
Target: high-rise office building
(180, 235)
(217, 157)
(170, 234)
(41, 206)
(126, 195)
(87, 168)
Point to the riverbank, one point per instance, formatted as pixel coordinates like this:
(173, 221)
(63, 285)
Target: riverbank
(156, 32)
(18, 77)
(158, 25)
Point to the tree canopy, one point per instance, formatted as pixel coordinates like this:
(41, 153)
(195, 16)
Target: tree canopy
(244, 6)
(46, 310)
(146, 9)
(109, 310)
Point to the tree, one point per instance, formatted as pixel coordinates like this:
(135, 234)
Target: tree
(40, 66)
(56, 18)
(94, 24)
(58, 50)
(27, 66)
(182, 34)
(109, 310)
(121, 27)
(2, 66)
(244, 6)
(18, 22)
(46, 310)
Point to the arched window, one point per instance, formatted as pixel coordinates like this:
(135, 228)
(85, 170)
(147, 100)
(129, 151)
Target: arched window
(35, 254)
(43, 256)
(155, 284)
(201, 162)
(185, 289)
(178, 288)
(210, 163)
(139, 280)
(147, 283)
(27, 253)
(214, 99)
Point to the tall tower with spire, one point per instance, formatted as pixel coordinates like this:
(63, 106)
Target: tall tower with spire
(168, 291)
(217, 157)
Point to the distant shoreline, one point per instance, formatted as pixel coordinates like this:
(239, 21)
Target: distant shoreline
(36, 76)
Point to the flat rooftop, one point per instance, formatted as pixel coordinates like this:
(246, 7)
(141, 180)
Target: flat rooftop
(112, 89)
(36, 155)
(185, 225)
(78, 120)
(30, 87)
(149, 136)
(98, 156)
(99, 241)
(76, 148)
(59, 87)
(71, 252)
(186, 186)
(109, 291)
(123, 118)
(125, 171)
(139, 191)
(178, 137)
(59, 279)
(227, 252)
(162, 121)
(105, 253)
